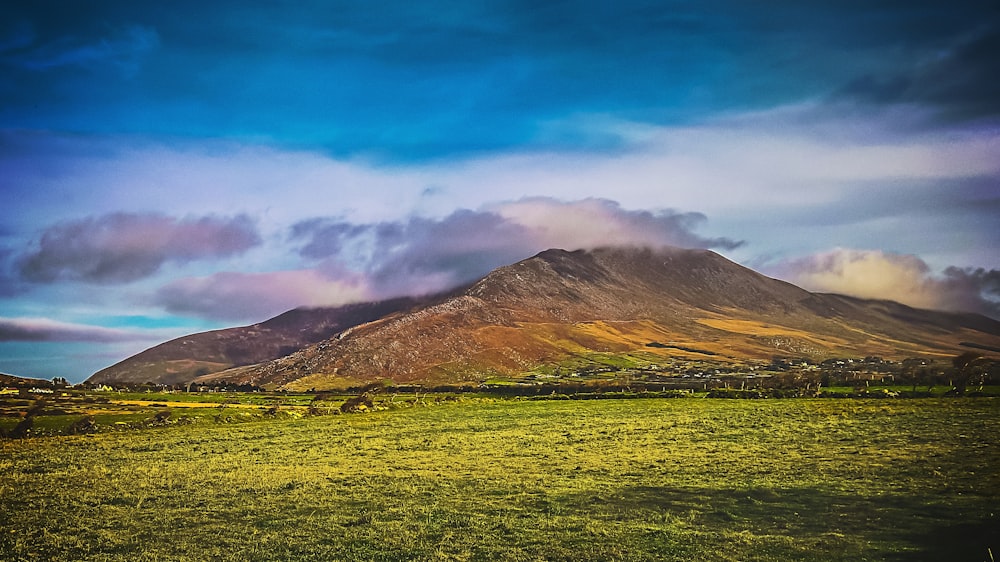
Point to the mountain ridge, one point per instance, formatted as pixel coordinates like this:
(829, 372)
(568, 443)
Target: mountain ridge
(7, 379)
(183, 359)
(558, 307)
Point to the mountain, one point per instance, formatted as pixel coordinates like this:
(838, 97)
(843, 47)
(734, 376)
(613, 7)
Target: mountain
(185, 358)
(570, 310)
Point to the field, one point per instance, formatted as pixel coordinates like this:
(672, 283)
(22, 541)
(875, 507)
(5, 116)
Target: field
(60, 411)
(484, 479)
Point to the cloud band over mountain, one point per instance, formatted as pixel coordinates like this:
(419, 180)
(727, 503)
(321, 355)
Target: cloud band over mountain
(425, 255)
(356, 261)
(253, 297)
(343, 261)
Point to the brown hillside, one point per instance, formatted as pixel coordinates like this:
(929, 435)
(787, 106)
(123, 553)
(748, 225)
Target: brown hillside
(15, 381)
(563, 307)
(182, 359)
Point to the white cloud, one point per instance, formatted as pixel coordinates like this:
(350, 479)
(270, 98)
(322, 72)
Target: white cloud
(256, 296)
(763, 161)
(45, 329)
(874, 274)
(593, 223)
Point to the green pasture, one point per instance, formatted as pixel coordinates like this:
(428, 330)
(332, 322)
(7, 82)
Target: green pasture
(481, 479)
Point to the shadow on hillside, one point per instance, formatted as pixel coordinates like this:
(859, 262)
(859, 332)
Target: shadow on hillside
(894, 527)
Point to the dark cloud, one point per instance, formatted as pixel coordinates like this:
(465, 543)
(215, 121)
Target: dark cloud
(42, 330)
(124, 247)
(423, 255)
(123, 48)
(9, 284)
(326, 237)
(427, 79)
(975, 199)
(15, 35)
(959, 81)
(975, 289)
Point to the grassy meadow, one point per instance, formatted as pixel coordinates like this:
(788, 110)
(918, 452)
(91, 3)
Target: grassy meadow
(482, 479)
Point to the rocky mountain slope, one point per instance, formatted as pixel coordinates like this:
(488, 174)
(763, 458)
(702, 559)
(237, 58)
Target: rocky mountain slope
(564, 309)
(185, 358)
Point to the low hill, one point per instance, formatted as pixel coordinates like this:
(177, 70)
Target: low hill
(185, 358)
(564, 309)
(18, 382)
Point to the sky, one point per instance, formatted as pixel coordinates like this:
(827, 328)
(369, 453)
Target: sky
(168, 168)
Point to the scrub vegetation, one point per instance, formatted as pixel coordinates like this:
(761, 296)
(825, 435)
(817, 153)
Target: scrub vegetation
(478, 478)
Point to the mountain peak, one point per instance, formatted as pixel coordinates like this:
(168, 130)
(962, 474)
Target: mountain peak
(563, 307)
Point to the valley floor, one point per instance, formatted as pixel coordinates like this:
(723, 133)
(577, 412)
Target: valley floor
(682, 479)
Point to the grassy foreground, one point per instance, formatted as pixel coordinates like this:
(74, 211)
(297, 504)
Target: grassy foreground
(682, 479)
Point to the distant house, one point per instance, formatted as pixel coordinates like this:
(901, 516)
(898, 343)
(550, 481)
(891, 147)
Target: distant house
(41, 391)
(9, 391)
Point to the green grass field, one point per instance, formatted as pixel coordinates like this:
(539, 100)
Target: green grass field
(671, 479)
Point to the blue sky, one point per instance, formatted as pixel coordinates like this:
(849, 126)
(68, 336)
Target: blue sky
(187, 166)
